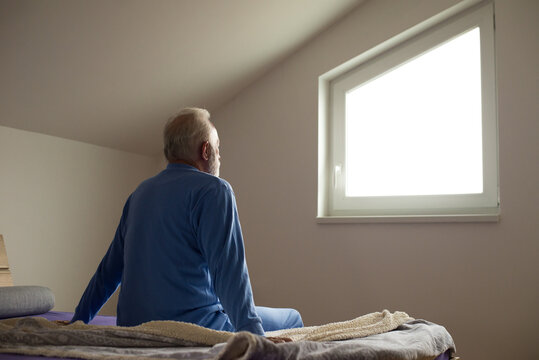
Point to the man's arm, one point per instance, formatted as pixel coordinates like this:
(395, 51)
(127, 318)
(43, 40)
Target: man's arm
(221, 242)
(106, 278)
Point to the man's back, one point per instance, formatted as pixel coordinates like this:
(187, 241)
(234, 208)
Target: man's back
(179, 255)
(165, 274)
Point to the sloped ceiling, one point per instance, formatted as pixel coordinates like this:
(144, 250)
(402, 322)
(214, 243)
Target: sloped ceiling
(110, 72)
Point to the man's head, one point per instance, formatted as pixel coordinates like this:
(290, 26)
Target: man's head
(191, 138)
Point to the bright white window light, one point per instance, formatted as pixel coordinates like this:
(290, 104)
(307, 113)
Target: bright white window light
(417, 129)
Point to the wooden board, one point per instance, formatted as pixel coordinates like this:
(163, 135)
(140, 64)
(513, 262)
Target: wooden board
(5, 274)
(5, 278)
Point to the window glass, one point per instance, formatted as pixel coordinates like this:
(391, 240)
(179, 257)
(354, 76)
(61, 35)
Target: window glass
(416, 130)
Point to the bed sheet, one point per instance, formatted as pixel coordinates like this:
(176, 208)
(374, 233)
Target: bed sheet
(111, 320)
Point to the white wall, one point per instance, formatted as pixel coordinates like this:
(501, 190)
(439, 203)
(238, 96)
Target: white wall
(478, 280)
(60, 201)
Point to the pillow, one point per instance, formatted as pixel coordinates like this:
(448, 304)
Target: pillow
(25, 300)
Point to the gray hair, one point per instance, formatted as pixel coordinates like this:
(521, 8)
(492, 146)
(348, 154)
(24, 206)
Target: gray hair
(185, 132)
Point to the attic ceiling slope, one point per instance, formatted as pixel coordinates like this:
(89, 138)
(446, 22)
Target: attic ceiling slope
(111, 72)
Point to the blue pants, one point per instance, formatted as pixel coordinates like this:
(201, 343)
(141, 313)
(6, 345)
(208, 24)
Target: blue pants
(278, 319)
(272, 319)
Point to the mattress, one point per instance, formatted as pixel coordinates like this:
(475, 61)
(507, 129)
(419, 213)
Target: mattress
(312, 350)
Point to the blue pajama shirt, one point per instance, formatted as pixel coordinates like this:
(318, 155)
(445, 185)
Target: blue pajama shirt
(178, 254)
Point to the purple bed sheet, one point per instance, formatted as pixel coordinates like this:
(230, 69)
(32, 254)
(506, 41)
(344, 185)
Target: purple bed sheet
(101, 320)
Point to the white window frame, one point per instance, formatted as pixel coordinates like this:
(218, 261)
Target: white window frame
(333, 205)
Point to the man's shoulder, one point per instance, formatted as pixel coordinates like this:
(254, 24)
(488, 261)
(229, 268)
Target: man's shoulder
(211, 181)
(196, 179)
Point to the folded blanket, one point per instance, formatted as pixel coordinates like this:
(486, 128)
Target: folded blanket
(38, 336)
(370, 324)
(39, 331)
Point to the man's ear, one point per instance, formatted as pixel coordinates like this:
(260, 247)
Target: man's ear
(205, 150)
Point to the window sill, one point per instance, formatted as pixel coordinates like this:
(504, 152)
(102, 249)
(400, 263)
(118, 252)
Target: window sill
(400, 219)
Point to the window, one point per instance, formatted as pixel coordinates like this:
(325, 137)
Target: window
(408, 130)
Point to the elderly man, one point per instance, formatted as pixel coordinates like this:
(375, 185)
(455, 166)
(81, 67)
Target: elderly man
(178, 251)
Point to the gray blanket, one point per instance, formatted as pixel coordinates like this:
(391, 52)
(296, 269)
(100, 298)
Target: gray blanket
(417, 340)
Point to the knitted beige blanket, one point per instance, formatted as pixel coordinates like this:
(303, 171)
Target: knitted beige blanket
(370, 324)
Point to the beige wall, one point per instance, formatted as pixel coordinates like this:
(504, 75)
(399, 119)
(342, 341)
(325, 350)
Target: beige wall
(480, 280)
(60, 204)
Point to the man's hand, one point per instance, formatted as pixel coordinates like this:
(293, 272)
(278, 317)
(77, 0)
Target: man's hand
(62, 322)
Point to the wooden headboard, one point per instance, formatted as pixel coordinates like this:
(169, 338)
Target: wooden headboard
(5, 274)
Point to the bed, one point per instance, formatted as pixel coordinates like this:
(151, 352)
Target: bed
(412, 340)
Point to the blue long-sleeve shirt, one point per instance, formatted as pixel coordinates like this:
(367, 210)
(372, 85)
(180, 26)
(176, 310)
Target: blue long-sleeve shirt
(178, 253)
